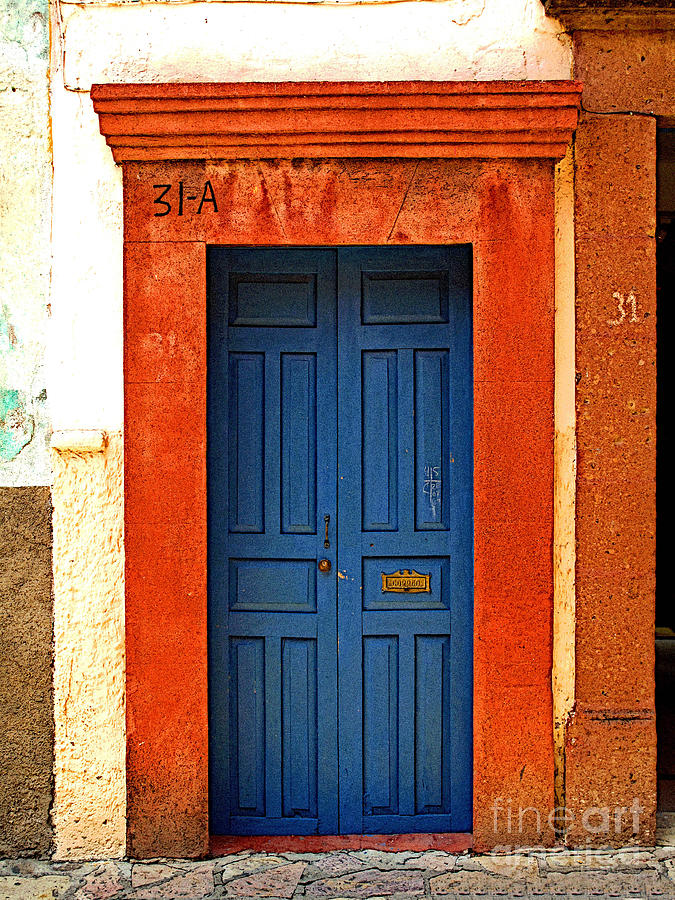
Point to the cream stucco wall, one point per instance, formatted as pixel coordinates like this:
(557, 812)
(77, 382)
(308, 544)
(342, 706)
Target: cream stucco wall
(564, 469)
(89, 692)
(222, 40)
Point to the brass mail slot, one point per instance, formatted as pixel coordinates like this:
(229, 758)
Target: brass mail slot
(405, 582)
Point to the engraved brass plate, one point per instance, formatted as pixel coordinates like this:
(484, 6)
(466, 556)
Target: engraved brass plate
(405, 582)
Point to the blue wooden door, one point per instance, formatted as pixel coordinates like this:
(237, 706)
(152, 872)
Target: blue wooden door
(340, 431)
(405, 505)
(272, 478)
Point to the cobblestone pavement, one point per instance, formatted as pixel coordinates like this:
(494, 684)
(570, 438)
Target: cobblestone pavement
(351, 875)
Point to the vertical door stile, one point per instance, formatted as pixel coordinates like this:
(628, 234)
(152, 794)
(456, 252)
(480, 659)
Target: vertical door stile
(327, 504)
(406, 669)
(273, 748)
(461, 469)
(272, 489)
(272, 453)
(407, 438)
(350, 661)
(406, 724)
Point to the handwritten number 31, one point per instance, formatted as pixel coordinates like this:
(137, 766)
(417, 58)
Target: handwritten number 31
(621, 304)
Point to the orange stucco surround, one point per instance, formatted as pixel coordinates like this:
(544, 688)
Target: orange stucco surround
(421, 164)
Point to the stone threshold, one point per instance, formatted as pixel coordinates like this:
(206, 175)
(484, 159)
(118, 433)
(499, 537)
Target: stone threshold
(455, 842)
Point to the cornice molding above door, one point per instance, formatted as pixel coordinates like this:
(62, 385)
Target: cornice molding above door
(613, 15)
(324, 120)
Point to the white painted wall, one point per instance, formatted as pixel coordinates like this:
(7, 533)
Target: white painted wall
(85, 339)
(98, 42)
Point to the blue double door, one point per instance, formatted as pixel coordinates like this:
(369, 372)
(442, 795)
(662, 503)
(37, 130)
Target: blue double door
(340, 540)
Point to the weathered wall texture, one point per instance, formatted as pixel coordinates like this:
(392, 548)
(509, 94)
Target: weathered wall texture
(171, 41)
(26, 709)
(89, 694)
(26, 720)
(207, 41)
(611, 735)
(25, 188)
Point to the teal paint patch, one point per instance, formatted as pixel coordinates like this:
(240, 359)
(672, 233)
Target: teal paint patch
(24, 22)
(16, 425)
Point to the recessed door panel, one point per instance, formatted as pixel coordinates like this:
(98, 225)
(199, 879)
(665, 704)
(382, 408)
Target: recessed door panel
(433, 738)
(273, 585)
(432, 455)
(299, 719)
(272, 299)
(298, 443)
(419, 295)
(247, 670)
(380, 725)
(247, 439)
(379, 483)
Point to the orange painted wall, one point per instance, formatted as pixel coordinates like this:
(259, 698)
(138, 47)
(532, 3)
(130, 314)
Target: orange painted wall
(505, 209)
(611, 736)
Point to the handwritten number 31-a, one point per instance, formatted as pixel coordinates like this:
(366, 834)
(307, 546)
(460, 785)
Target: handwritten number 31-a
(208, 196)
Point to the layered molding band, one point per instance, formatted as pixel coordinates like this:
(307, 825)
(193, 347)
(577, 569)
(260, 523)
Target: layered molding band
(414, 119)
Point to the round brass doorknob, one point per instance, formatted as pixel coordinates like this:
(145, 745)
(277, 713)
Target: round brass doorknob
(324, 565)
